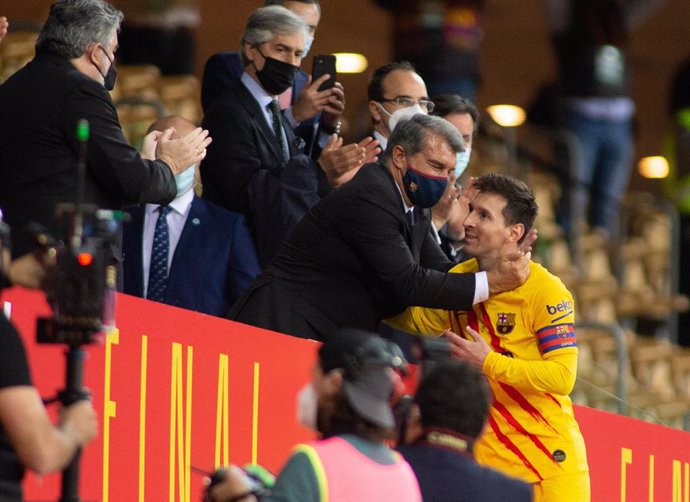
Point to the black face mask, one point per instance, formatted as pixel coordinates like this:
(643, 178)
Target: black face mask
(110, 75)
(276, 76)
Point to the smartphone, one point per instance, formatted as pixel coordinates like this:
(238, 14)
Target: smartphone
(324, 64)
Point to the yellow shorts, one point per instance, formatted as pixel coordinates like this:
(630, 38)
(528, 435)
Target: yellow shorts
(566, 488)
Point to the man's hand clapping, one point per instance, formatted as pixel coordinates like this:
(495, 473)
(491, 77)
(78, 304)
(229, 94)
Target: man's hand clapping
(183, 152)
(340, 163)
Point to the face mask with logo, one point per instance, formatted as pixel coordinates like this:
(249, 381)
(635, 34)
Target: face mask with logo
(307, 406)
(461, 161)
(422, 189)
(110, 75)
(276, 76)
(401, 114)
(185, 181)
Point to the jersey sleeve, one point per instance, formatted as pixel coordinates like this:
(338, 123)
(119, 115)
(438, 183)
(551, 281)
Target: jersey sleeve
(427, 321)
(555, 373)
(421, 321)
(553, 321)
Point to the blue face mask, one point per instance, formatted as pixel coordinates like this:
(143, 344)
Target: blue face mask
(307, 46)
(185, 181)
(461, 161)
(422, 189)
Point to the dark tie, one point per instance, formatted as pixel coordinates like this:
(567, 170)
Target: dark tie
(158, 273)
(274, 107)
(410, 218)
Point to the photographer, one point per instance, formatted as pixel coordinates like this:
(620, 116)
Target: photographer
(28, 438)
(348, 402)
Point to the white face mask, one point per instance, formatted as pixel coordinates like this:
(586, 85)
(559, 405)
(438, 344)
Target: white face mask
(461, 161)
(401, 114)
(185, 181)
(307, 406)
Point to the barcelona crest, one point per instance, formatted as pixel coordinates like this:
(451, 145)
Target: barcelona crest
(505, 323)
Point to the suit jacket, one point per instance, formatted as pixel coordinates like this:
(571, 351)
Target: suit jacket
(214, 261)
(351, 262)
(445, 475)
(40, 107)
(224, 68)
(244, 170)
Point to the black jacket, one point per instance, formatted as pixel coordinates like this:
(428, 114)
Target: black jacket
(351, 262)
(40, 106)
(245, 170)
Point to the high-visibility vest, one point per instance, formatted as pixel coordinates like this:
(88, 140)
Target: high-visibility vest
(345, 474)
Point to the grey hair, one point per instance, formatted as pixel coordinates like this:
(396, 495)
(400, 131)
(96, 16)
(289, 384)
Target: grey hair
(411, 134)
(73, 25)
(265, 22)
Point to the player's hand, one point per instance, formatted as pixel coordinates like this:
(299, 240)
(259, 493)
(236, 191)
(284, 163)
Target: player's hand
(473, 351)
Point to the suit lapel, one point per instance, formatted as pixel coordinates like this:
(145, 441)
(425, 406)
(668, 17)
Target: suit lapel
(418, 232)
(257, 114)
(415, 233)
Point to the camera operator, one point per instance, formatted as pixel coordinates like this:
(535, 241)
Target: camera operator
(28, 438)
(349, 403)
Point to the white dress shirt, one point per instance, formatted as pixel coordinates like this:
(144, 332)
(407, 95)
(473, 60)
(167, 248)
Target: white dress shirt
(176, 218)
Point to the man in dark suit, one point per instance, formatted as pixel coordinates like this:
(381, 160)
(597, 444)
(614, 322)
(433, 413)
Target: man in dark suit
(356, 257)
(42, 103)
(210, 258)
(256, 166)
(448, 415)
(303, 109)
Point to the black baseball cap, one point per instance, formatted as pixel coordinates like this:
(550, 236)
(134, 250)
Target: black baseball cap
(366, 360)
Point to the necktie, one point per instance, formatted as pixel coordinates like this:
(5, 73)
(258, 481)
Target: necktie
(274, 106)
(410, 218)
(158, 273)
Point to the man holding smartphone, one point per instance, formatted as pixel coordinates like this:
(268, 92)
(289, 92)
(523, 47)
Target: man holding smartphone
(312, 110)
(258, 167)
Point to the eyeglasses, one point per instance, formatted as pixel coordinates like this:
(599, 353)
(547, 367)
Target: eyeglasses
(425, 104)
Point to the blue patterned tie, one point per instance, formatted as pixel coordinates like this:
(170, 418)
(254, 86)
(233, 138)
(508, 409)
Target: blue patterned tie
(158, 273)
(274, 107)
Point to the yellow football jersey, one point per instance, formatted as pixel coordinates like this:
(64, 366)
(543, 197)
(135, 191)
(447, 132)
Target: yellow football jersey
(531, 432)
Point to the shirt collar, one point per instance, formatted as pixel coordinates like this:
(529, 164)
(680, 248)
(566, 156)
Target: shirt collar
(256, 90)
(383, 142)
(405, 206)
(180, 204)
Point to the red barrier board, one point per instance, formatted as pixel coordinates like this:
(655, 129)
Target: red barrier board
(179, 393)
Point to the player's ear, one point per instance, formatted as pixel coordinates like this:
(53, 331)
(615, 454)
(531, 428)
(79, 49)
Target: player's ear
(516, 232)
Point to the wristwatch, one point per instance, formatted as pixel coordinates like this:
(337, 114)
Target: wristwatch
(333, 130)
